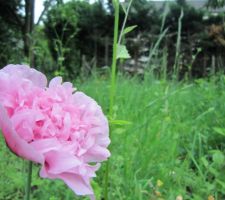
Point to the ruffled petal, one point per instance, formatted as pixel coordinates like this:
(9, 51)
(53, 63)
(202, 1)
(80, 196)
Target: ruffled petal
(97, 154)
(55, 81)
(25, 71)
(57, 162)
(46, 145)
(76, 183)
(15, 143)
(73, 181)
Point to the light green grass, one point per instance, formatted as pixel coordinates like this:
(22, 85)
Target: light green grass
(175, 136)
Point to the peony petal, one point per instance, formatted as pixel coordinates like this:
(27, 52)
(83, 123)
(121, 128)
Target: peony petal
(23, 122)
(25, 71)
(55, 81)
(16, 144)
(81, 99)
(69, 87)
(46, 145)
(87, 170)
(103, 141)
(57, 162)
(96, 154)
(74, 181)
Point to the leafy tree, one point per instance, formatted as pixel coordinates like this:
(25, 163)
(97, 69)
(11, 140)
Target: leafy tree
(182, 3)
(60, 29)
(144, 15)
(11, 27)
(16, 29)
(80, 28)
(215, 3)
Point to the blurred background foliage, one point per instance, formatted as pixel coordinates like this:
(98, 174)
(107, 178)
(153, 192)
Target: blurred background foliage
(73, 38)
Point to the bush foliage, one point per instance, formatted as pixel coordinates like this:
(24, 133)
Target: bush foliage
(78, 37)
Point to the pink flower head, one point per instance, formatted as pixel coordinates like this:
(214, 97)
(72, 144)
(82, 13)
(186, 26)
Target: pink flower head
(62, 129)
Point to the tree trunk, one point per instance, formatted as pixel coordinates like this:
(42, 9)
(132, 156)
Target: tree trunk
(28, 28)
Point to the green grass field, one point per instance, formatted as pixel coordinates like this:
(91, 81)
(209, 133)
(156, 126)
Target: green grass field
(171, 145)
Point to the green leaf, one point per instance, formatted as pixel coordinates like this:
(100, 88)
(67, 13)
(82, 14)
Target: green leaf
(129, 29)
(221, 183)
(122, 52)
(213, 171)
(218, 158)
(221, 131)
(120, 122)
(205, 162)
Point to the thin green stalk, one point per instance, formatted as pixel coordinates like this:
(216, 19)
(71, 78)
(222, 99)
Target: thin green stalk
(114, 59)
(165, 13)
(113, 83)
(124, 22)
(178, 45)
(28, 181)
(156, 46)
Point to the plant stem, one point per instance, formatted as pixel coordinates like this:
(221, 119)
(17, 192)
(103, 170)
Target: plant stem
(178, 45)
(113, 84)
(28, 181)
(114, 59)
(124, 22)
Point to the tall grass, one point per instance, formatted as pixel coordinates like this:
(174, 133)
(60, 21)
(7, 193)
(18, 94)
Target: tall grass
(171, 148)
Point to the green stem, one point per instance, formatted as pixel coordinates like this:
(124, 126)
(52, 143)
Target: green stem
(114, 59)
(113, 84)
(28, 181)
(124, 22)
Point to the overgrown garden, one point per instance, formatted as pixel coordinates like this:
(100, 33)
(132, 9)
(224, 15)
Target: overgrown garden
(164, 97)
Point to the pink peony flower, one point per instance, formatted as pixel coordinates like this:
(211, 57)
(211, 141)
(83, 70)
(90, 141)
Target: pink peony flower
(62, 129)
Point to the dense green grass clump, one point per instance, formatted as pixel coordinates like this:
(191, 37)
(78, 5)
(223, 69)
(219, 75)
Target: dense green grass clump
(171, 145)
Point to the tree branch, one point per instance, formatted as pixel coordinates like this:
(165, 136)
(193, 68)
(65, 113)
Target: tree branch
(46, 7)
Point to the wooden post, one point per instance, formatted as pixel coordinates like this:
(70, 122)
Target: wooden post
(106, 51)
